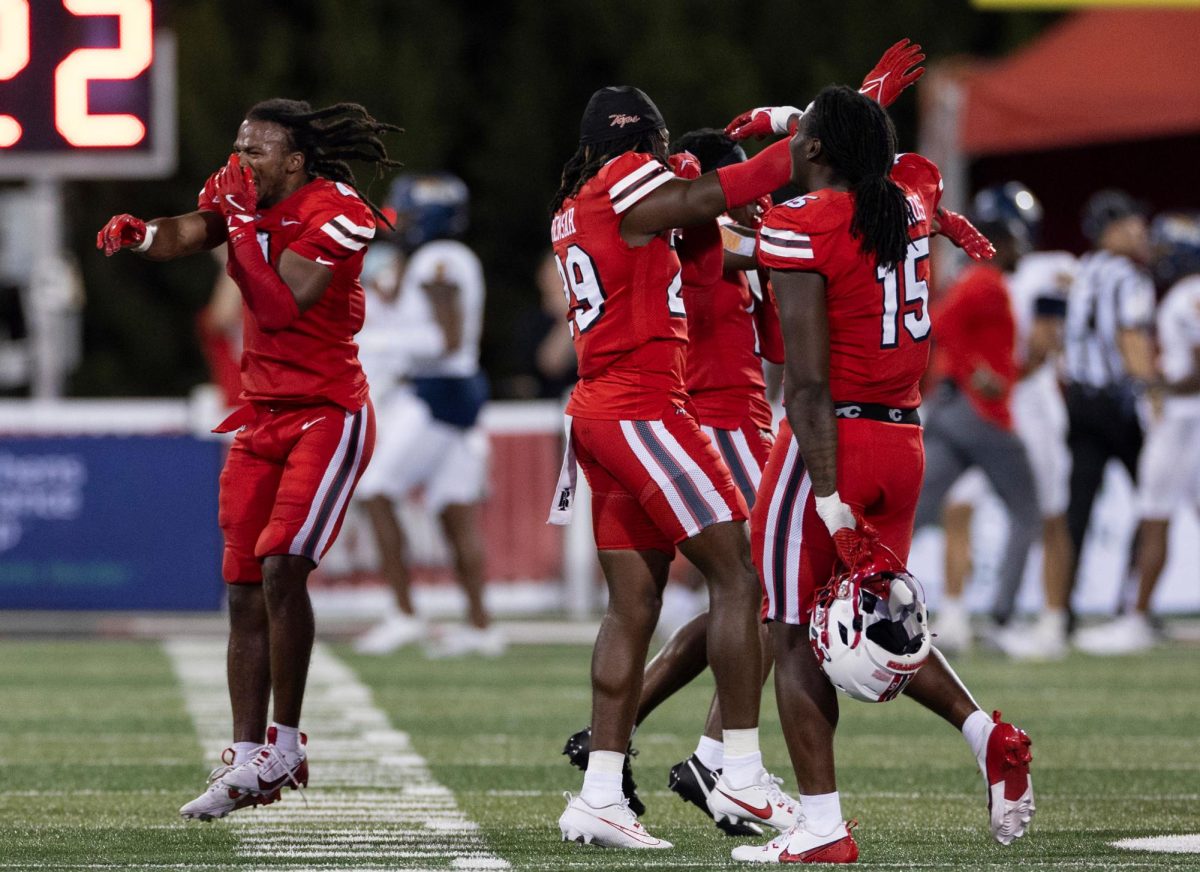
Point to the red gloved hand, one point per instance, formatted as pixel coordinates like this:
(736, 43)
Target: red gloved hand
(236, 197)
(685, 165)
(121, 231)
(763, 121)
(207, 198)
(893, 73)
(856, 547)
(761, 205)
(963, 233)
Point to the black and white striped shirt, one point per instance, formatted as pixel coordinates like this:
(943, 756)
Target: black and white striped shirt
(1110, 294)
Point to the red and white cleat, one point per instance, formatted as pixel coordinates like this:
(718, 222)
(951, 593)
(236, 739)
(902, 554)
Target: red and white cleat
(611, 826)
(219, 799)
(761, 802)
(1005, 767)
(801, 845)
(271, 769)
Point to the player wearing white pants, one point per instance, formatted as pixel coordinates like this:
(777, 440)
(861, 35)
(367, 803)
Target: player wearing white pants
(421, 347)
(1169, 466)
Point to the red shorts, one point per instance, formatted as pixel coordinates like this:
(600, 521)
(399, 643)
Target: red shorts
(654, 483)
(745, 452)
(287, 482)
(880, 469)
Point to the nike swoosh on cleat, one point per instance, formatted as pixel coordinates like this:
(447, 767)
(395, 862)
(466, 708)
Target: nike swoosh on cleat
(633, 834)
(786, 856)
(764, 812)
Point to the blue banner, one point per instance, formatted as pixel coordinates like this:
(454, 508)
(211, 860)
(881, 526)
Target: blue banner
(109, 522)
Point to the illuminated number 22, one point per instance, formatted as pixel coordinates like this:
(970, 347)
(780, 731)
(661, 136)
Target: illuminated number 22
(131, 57)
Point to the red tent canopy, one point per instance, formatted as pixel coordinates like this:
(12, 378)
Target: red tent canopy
(1103, 75)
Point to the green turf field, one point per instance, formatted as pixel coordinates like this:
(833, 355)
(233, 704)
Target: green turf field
(98, 750)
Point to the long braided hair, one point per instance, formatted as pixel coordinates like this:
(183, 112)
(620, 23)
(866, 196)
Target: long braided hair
(330, 137)
(859, 141)
(589, 159)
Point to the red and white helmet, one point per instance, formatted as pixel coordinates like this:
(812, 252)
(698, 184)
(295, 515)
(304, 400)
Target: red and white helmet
(870, 632)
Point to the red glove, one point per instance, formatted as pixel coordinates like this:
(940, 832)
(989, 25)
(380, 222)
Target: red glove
(761, 205)
(121, 231)
(236, 198)
(685, 165)
(207, 198)
(763, 121)
(962, 233)
(856, 547)
(893, 73)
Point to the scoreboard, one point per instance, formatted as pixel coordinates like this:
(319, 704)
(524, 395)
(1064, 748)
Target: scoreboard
(87, 89)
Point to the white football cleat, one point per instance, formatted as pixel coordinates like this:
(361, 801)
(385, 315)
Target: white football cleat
(271, 769)
(1005, 767)
(801, 845)
(1128, 634)
(760, 802)
(391, 634)
(467, 640)
(219, 799)
(952, 633)
(612, 826)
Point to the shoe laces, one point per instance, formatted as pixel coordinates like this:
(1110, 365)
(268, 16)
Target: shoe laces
(775, 795)
(227, 758)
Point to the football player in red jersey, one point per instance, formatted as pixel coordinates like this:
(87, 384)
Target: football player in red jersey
(297, 231)
(731, 328)
(849, 264)
(656, 480)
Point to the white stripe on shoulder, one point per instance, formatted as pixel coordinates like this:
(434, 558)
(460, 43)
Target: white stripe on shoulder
(633, 178)
(779, 235)
(785, 251)
(348, 234)
(634, 195)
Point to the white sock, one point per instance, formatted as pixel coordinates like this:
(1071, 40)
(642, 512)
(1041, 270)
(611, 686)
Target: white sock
(710, 752)
(952, 605)
(743, 771)
(822, 812)
(287, 739)
(976, 729)
(602, 780)
(243, 751)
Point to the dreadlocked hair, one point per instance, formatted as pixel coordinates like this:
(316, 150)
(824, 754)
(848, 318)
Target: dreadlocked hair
(330, 137)
(589, 160)
(859, 142)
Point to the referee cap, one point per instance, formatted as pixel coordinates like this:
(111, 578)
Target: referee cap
(1105, 207)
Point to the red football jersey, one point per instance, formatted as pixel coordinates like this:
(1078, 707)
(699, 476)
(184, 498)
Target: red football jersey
(625, 308)
(976, 328)
(316, 357)
(878, 319)
(724, 359)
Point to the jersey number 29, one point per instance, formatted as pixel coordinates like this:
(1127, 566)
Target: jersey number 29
(914, 290)
(585, 293)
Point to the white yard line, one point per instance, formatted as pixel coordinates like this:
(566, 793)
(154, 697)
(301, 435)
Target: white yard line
(372, 795)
